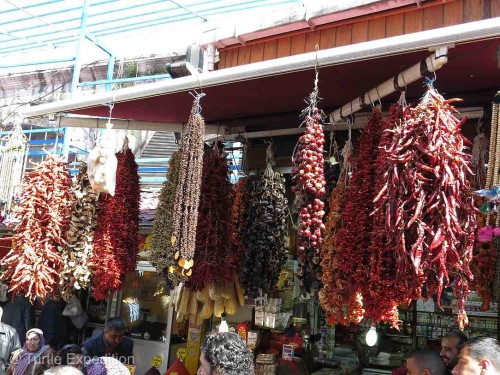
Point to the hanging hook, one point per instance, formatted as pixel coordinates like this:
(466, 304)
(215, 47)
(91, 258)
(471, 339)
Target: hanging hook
(370, 99)
(378, 95)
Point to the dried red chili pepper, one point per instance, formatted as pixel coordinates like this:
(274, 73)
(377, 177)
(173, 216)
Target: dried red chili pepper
(213, 232)
(117, 231)
(427, 166)
(34, 263)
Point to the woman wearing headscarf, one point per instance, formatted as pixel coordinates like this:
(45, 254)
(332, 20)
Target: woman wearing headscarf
(225, 353)
(33, 358)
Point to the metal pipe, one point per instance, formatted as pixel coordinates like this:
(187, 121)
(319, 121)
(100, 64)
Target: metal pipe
(410, 75)
(478, 30)
(111, 70)
(123, 80)
(35, 131)
(210, 57)
(37, 63)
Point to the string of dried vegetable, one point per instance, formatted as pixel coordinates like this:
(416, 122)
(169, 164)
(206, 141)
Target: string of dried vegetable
(162, 251)
(238, 214)
(353, 237)
(264, 237)
(385, 292)
(213, 238)
(187, 198)
(309, 188)
(427, 167)
(117, 231)
(77, 252)
(33, 265)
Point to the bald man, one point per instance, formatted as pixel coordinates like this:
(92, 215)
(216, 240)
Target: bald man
(425, 362)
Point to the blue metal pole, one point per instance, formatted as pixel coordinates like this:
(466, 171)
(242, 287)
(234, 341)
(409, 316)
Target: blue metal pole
(37, 63)
(123, 80)
(76, 72)
(111, 69)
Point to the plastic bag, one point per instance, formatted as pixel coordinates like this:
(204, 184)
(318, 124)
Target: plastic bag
(102, 164)
(73, 307)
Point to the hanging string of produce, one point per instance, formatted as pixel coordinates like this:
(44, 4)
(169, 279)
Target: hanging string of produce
(309, 188)
(341, 306)
(33, 265)
(162, 251)
(12, 164)
(264, 237)
(427, 167)
(238, 214)
(187, 197)
(213, 240)
(76, 254)
(494, 160)
(116, 240)
(385, 292)
(353, 237)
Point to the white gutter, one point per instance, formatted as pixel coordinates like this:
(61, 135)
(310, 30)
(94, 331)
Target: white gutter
(479, 30)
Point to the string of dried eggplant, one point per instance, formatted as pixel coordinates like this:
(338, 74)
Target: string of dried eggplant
(33, 265)
(187, 198)
(264, 237)
(77, 252)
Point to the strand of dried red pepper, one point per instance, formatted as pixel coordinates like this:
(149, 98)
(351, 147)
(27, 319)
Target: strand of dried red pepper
(428, 164)
(385, 292)
(33, 265)
(213, 233)
(340, 304)
(354, 235)
(162, 251)
(117, 231)
(238, 214)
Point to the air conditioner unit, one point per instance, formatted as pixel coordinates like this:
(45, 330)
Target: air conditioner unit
(193, 63)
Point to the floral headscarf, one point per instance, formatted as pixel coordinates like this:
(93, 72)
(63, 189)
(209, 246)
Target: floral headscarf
(26, 357)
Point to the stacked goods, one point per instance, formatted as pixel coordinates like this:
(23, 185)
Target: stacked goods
(215, 298)
(426, 203)
(34, 264)
(187, 197)
(213, 238)
(117, 231)
(309, 179)
(162, 252)
(77, 252)
(264, 237)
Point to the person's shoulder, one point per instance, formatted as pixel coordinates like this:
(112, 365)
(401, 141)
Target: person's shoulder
(128, 341)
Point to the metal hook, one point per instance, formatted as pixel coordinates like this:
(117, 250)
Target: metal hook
(378, 95)
(404, 81)
(369, 98)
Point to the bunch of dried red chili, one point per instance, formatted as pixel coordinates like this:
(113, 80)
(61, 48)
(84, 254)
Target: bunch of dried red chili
(308, 176)
(34, 263)
(116, 241)
(213, 232)
(238, 215)
(426, 201)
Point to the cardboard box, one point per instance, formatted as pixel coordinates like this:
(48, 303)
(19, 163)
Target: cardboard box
(259, 318)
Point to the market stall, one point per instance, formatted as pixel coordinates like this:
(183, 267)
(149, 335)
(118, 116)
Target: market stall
(335, 249)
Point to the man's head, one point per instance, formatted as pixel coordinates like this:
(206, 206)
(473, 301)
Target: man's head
(114, 331)
(450, 346)
(479, 356)
(425, 362)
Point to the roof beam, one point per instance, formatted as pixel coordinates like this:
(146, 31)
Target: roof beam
(100, 123)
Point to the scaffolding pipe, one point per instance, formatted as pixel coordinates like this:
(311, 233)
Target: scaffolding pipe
(37, 63)
(430, 65)
(123, 80)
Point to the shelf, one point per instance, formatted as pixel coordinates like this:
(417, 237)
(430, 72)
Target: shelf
(396, 335)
